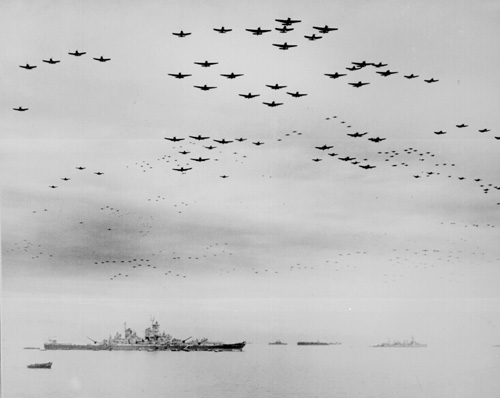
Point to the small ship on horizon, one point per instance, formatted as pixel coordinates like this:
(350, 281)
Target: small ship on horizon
(317, 343)
(278, 342)
(401, 344)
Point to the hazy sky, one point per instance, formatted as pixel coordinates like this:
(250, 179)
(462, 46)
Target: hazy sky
(284, 243)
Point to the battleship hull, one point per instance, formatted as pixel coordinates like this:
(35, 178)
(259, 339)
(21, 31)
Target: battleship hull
(217, 347)
(72, 347)
(145, 347)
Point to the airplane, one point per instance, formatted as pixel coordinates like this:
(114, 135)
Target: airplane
(417, 176)
(335, 75)
(325, 29)
(77, 54)
(272, 104)
(206, 64)
(361, 64)
(285, 46)
(324, 147)
(222, 30)
(483, 130)
(376, 139)
(181, 34)
(81, 168)
(412, 76)
(52, 186)
(313, 37)
(20, 109)
(28, 66)
(249, 95)
(99, 173)
(354, 68)
(275, 87)
(210, 147)
(431, 80)
(358, 84)
(317, 160)
(174, 139)
(356, 162)
(258, 31)
(178, 75)
(223, 141)
(296, 94)
(200, 159)
(240, 139)
(284, 29)
(65, 179)
(347, 159)
(182, 169)
(199, 137)
(333, 154)
(184, 152)
(224, 176)
(367, 166)
(461, 178)
(356, 134)
(232, 75)
(102, 59)
(205, 87)
(379, 65)
(462, 125)
(50, 61)
(440, 132)
(386, 73)
(258, 143)
(288, 21)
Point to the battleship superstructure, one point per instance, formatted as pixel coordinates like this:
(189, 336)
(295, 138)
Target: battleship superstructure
(153, 340)
(401, 344)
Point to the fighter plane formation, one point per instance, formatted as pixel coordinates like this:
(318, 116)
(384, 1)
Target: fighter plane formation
(345, 158)
(52, 61)
(286, 26)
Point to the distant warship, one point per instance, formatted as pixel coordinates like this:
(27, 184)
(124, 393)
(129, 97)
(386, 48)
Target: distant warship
(316, 343)
(153, 340)
(403, 344)
(278, 342)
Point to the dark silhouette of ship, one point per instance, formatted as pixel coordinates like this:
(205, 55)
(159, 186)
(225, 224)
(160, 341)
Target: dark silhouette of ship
(153, 340)
(47, 365)
(278, 342)
(316, 343)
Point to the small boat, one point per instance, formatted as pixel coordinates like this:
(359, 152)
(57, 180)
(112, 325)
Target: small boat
(47, 365)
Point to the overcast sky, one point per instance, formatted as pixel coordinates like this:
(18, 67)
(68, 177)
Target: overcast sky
(418, 233)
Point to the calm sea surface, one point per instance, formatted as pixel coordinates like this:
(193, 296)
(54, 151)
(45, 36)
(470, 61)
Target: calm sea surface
(259, 371)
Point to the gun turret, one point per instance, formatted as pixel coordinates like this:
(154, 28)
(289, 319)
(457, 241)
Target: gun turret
(185, 340)
(95, 341)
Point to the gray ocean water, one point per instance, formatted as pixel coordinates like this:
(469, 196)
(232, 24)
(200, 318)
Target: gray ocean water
(259, 371)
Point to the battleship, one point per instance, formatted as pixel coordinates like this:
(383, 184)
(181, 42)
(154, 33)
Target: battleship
(277, 342)
(153, 340)
(401, 344)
